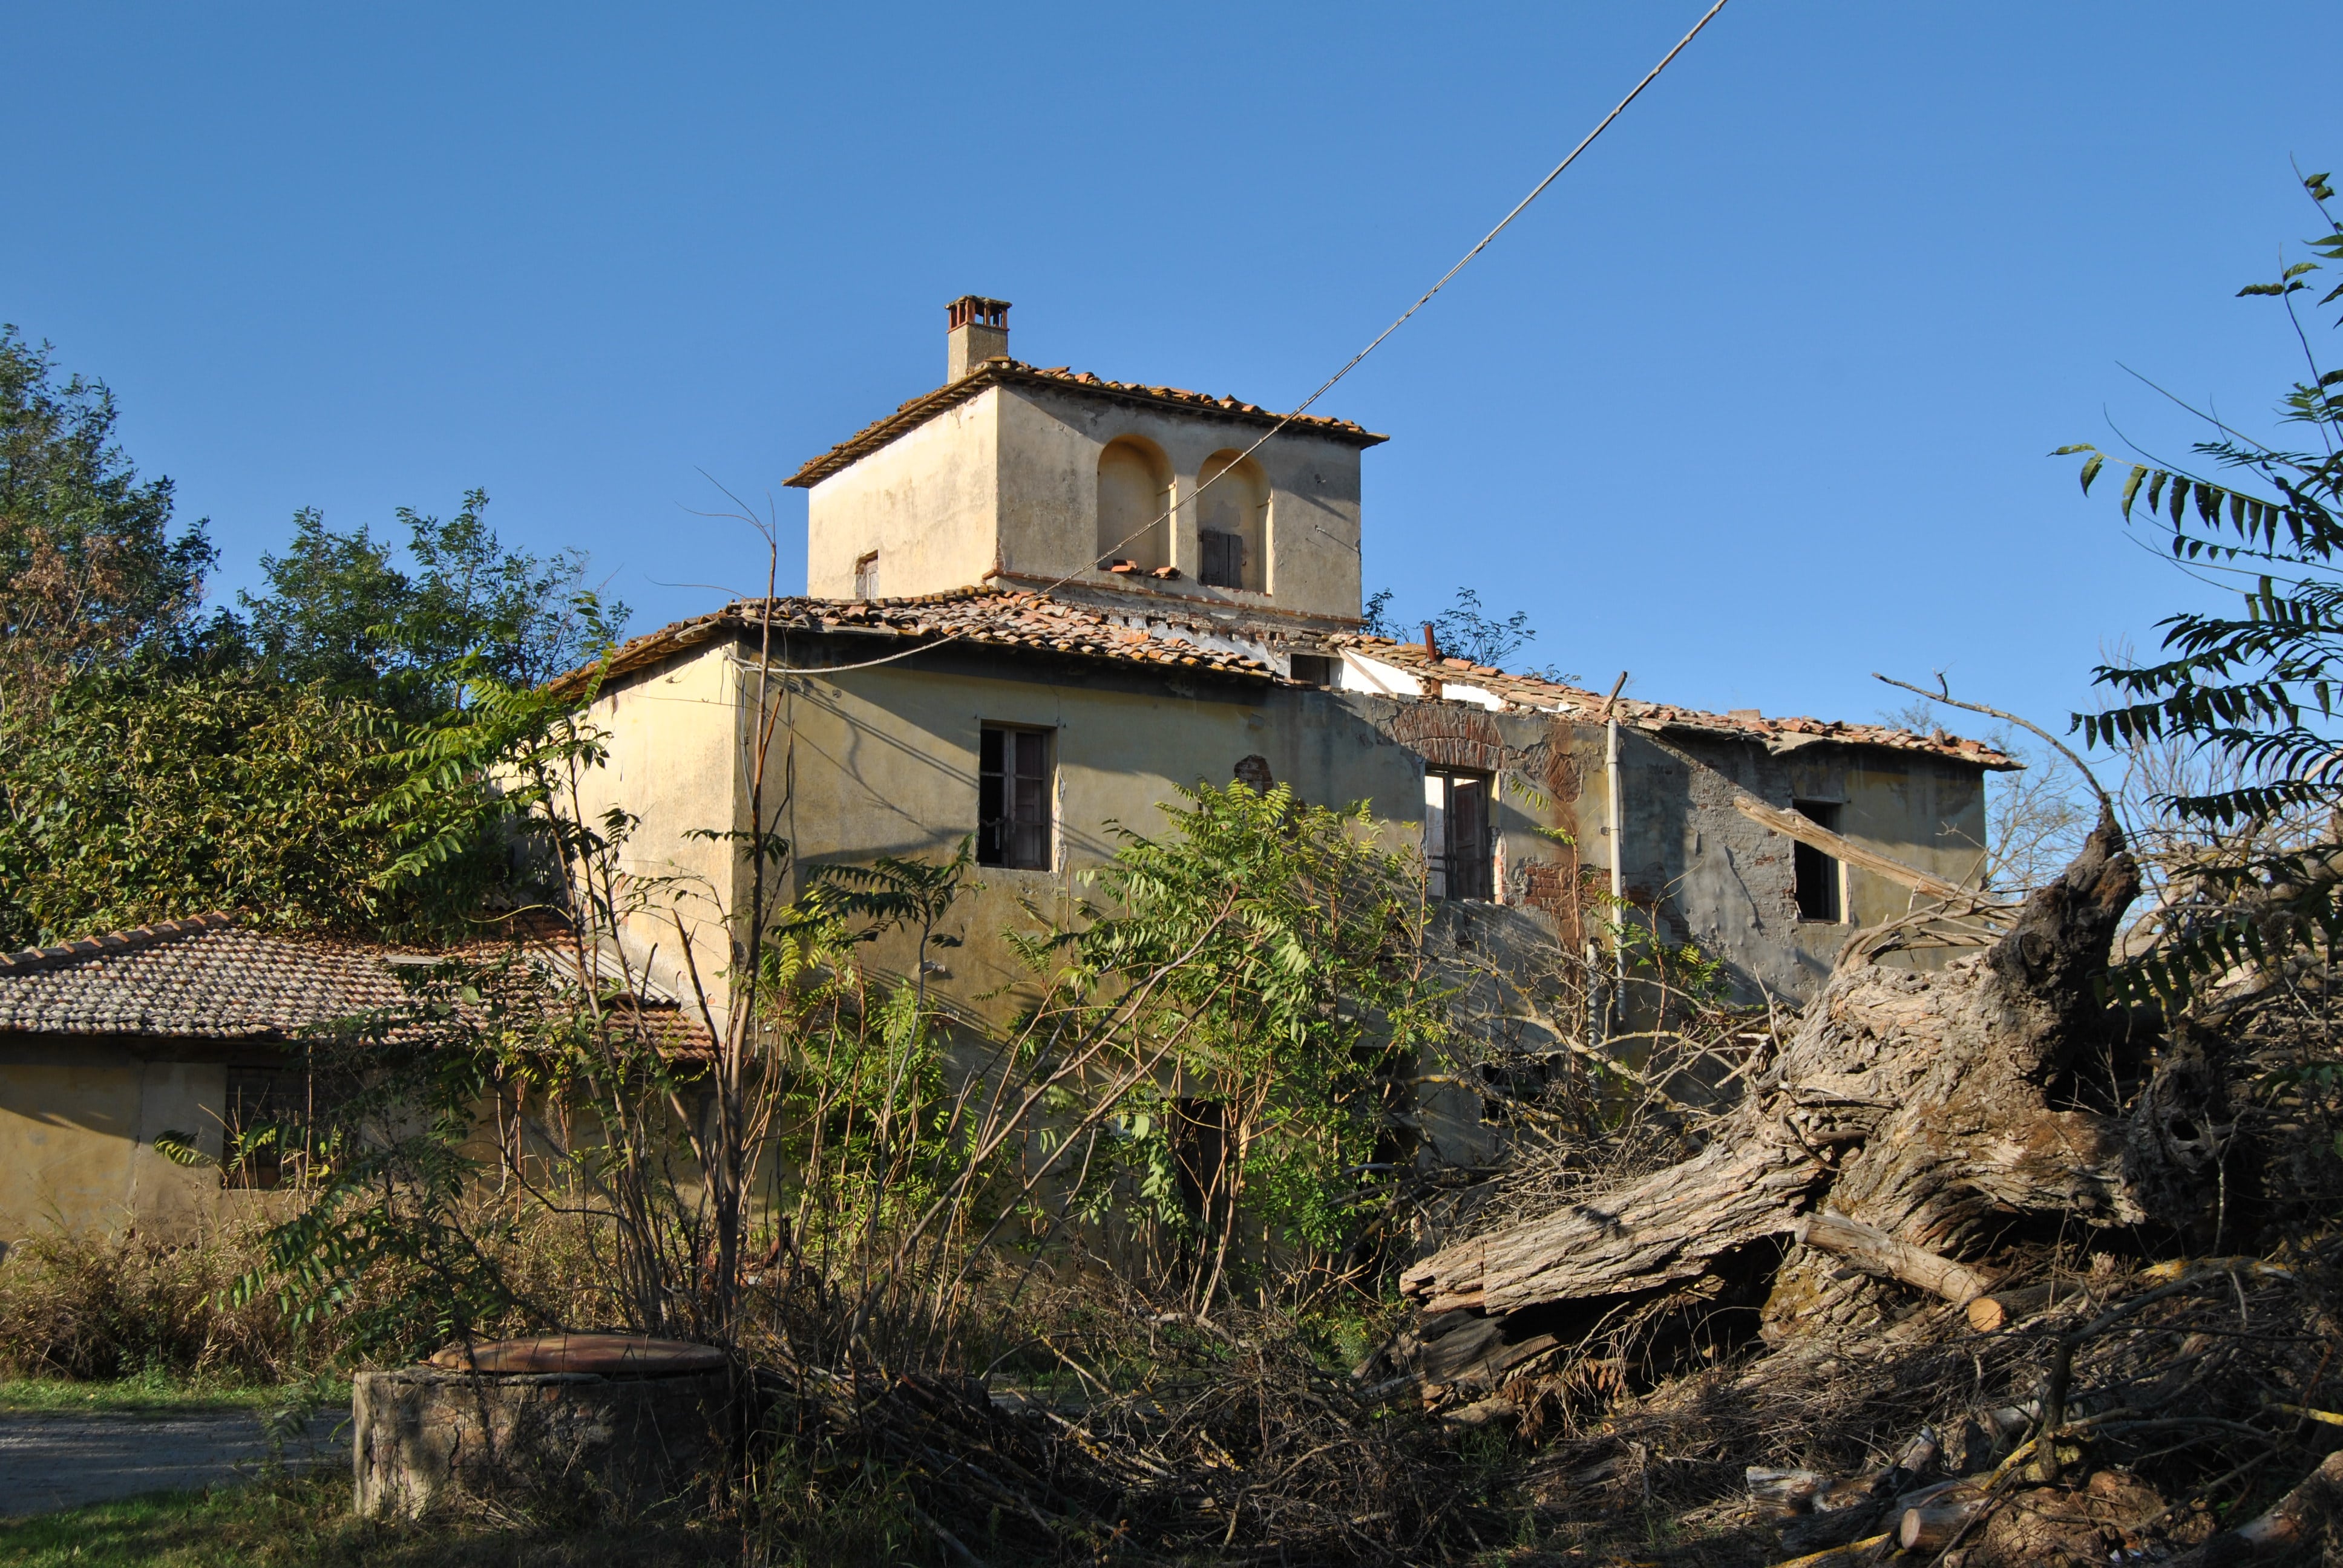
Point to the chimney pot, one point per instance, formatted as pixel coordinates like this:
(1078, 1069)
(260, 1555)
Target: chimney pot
(978, 331)
(1431, 642)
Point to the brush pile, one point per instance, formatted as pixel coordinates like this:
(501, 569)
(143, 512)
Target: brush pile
(1239, 1447)
(1981, 1270)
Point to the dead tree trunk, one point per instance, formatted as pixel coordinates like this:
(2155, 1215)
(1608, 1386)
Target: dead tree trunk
(1926, 1109)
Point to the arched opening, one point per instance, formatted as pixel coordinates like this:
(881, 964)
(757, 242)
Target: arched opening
(1134, 492)
(1232, 523)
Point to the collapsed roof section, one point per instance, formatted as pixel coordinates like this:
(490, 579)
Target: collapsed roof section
(1402, 668)
(1198, 643)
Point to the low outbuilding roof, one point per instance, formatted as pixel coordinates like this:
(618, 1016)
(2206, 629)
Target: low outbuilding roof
(208, 978)
(1011, 373)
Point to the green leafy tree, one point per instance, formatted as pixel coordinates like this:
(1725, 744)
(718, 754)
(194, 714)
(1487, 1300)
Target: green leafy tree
(2253, 689)
(316, 766)
(156, 796)
(1266, 961)
(331, 611)
(90, 569)
(341, 607)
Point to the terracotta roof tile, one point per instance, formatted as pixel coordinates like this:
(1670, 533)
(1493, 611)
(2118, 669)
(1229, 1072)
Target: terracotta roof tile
(1534, 692)
(204, 978)
(991, 618)
(996, 617)
(1010, 373)
(210, 979)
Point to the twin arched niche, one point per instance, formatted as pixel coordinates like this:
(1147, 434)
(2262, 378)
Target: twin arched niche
(1232, 523)
(1134, 492)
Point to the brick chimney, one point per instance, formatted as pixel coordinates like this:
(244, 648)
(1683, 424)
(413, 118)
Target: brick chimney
(980, 331)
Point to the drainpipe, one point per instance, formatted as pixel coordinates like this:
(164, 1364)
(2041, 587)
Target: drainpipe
(1616, 830)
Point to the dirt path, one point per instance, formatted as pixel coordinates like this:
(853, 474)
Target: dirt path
(49, 1461)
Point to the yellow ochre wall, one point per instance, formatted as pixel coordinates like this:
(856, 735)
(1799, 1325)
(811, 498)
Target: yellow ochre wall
(78, 1119)
(1010, 480)
(883, 761)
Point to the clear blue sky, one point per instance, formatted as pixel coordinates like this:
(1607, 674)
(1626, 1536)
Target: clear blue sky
(1753, 402)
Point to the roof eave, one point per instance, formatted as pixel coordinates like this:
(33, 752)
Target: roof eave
(1779, 744)
(920, 409)
(723, 625)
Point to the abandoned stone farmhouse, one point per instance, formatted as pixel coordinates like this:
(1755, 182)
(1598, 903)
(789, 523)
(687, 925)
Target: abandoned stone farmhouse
(1040, 602)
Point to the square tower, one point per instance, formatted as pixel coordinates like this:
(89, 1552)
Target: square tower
(1051, 478)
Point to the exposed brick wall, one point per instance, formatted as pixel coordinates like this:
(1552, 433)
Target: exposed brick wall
(1449, 735)
(1553, 887)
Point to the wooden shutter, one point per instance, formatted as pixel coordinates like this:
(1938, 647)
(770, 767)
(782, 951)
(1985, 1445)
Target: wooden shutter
(1468, 838)
(1222, 562)
(1029, 801)
(1012, 799)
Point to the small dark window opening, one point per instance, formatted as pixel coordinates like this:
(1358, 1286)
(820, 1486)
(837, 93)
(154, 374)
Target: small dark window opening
(1012, 799)
(1462, 848)
(1313, 669)
(866, 575)
(1199, 1158)
(266, 1126)
(1223, 559)
(1818, 873)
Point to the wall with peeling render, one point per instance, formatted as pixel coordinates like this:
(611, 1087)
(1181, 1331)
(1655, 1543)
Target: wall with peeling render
(883, 761)
(1707, 874)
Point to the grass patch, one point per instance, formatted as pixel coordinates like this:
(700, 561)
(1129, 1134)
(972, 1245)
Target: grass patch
(304, 1522)
(157, 1390)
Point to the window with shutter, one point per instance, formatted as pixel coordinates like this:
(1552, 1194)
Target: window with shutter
(1232, 523)
(1459, 841)
(1014, 794)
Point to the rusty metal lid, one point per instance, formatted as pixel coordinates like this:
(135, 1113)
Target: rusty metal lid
(609, 1356)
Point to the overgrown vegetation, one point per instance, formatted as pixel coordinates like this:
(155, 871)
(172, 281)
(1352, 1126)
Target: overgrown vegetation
(107, 1308)
(158, 760)
(1465, 629)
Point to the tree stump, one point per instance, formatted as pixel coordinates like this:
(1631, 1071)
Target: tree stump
(605, 1421)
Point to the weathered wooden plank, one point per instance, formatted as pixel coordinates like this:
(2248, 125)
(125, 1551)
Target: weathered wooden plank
(1807, 831)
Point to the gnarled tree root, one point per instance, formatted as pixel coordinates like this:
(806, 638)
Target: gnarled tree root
(1927, 1109)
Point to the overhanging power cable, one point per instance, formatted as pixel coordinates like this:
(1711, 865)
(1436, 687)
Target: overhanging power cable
(1357, 359)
